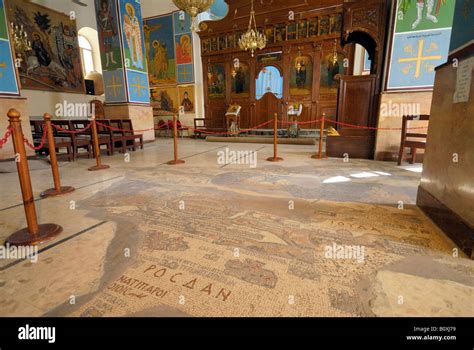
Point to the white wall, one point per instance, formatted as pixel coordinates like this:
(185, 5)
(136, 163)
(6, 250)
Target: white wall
(40, 102)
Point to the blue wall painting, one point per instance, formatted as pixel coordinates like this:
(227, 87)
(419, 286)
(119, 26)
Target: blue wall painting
(114, 84)
(420, 43)
(463, 27)
(183, 47)
(159, 41)
(134, 51)
(8, 78)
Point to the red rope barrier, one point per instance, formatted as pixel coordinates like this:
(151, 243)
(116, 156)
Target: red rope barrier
(72, 131)
(369, 127)
(300, 123)
(41, 145)
(5, 137)
(164, 126)
(122, 130)
(227, 132)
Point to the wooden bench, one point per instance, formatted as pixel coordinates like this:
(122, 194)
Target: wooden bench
(127, 125)
(419, 141)
(78, 143)
(104, 140)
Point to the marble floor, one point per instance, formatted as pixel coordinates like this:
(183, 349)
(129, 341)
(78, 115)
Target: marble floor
(301, 237)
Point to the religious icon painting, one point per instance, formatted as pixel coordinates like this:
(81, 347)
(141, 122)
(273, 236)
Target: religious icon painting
(184, 49)
(280, 33)
(270, 34)
(301, 76)
(216, 81)
(186, 98)
(165, 100)
(185, 73)
(222, 42)
(109, 40)
(331, 70)
(54, 61)
(241, 81)
(231, 41)
(313, 27)
(160, 50)
(291, 31)
(302, 29)
(205, 44)
(214, 44)
(336, 23)
(324, 25)
(132, 29)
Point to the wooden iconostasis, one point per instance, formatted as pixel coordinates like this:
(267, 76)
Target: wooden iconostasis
(304, 51)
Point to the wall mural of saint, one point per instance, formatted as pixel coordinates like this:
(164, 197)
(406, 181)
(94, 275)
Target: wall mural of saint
(186, 96)
(184, 49)
(108, 34)
(133, 36)
(161, 56)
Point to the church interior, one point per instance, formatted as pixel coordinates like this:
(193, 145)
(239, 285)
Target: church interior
(244, 158)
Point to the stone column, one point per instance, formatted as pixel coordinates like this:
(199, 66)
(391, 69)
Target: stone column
(124, 66)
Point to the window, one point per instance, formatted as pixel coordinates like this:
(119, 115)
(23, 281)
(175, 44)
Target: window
(86, 53)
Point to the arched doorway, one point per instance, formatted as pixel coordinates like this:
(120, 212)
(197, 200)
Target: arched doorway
(268, 93)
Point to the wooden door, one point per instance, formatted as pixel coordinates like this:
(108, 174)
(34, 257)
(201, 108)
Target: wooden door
(266, 108)
(356, 107)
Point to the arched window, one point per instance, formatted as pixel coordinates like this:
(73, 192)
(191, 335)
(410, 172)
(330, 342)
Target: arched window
(86, 54)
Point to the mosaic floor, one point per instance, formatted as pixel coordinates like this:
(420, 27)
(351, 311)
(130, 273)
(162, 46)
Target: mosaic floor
(296, 238)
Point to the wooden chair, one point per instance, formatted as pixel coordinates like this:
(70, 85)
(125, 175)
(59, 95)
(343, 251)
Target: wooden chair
(117, 138)
(127, 126)
(87, 134)
(98, 107)
(60, 143)
(417, 140)
(77, 142)
(199, 125)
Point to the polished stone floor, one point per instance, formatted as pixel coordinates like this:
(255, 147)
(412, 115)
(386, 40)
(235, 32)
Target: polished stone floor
(301, 237)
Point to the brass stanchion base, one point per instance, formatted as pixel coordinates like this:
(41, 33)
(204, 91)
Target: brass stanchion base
(52, 191)
(273, 159)
(96, 168)
(176, 162)
(24, 237)
(317, 156)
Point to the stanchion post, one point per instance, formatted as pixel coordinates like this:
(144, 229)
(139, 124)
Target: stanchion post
(57, 190)
(175, 161)
(95, 138)
(275, 157)
(34, 234)
(319, 155)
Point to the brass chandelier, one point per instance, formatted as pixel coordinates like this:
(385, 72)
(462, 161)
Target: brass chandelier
(252, 39)
(193, 8)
